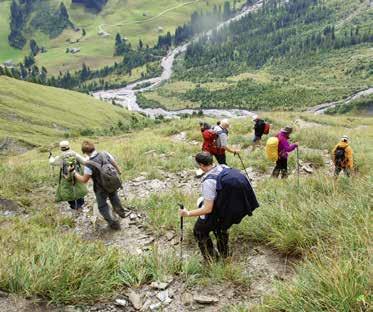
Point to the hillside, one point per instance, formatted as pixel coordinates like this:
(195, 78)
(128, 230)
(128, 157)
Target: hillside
(34, 115)
(284, 56)
(304, 249)
(140, 19)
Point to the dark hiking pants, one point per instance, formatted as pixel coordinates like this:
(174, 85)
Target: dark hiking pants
(202, 230)
(221, 159)
(281, 167)
(338, 170)
(76, 204)
(104, 208)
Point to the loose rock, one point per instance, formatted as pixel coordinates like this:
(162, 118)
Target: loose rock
(155, 306)
(164, 297)
(187, 299)
(121, 302)
(159, 285)
(205, 299)
(135, 299)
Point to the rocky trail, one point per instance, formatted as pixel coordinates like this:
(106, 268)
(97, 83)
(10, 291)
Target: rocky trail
(263, 266)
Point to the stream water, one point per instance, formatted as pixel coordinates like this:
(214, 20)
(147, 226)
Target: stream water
(127, 96)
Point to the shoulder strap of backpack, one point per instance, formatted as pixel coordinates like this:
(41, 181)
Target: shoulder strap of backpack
(210, 176)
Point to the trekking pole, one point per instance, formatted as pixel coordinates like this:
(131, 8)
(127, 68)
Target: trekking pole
(181, 206)
(298, 169)
(243, 165)
(74, 191)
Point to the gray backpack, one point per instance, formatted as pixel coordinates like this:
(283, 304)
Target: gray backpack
(108, 175)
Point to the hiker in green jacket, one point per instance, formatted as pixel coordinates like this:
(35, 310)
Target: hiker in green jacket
(69, 189)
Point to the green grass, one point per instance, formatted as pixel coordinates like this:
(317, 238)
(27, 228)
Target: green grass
(6, 51)
(284, 84)
(39, 115)
(326, 224)
(118, 16)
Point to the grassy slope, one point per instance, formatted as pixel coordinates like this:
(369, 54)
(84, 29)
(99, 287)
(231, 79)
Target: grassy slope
(6, 51)
(97, 51)
(327, 223)
(38, 115)
(284, 83)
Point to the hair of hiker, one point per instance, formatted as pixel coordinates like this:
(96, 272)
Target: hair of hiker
(204, 158)
(88, 147)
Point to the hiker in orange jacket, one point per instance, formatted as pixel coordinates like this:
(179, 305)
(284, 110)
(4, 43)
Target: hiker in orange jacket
(343, 157)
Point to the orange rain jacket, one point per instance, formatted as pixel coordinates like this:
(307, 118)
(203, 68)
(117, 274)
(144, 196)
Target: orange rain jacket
(349, 160)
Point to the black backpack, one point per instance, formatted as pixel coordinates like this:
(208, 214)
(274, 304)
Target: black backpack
(235, 198)
(340, 156)
(109, 177)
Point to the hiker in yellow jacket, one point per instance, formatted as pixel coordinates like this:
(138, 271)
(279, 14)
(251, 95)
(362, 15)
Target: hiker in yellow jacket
(343, 157)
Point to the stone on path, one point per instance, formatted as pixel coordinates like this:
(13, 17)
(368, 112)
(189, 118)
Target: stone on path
(121, 302)
(307, 168)
(135, 299)
(155, 306)
(205, 299)
(159, 285)
(163, 296)
(187, 299)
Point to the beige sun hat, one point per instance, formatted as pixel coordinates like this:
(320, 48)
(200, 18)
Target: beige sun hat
(64, 145)
(345, 138)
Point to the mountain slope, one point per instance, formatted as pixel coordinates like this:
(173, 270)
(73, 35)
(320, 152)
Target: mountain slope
(132, 19)
(283, 56)
(38, 115)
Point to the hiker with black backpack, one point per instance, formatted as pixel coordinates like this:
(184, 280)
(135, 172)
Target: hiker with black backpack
(260, 127)
(69, 189)
(105, 173)
(227, 198)
(343, 157)
(215, 140)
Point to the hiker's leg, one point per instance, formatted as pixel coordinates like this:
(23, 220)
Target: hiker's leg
(72, 204)
(202, 234)
(103, 207)
(80, 202)
(337, 171)
(117, 205)
(276, 170)
(284, 168)
(256, 142)
(347, 172)
(222, 239)
(221, 159)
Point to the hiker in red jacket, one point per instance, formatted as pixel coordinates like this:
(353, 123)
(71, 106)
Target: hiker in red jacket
(284, 148)
(215, 141)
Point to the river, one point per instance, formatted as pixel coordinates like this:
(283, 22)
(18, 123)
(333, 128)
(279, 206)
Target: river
(127, 96)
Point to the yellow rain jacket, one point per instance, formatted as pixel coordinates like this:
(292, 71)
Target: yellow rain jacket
(349, 160)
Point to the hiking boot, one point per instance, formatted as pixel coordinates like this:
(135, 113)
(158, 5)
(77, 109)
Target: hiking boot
(115, 225)
(120, 212)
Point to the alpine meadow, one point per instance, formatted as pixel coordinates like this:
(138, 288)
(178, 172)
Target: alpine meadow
(211, 155)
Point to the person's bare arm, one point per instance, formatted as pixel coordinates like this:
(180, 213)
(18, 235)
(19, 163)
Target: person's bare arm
(206, 209)
(82, 178)
(231, 150)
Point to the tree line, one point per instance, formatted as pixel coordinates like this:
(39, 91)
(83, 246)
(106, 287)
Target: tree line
(46, 20)
(276, 30)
